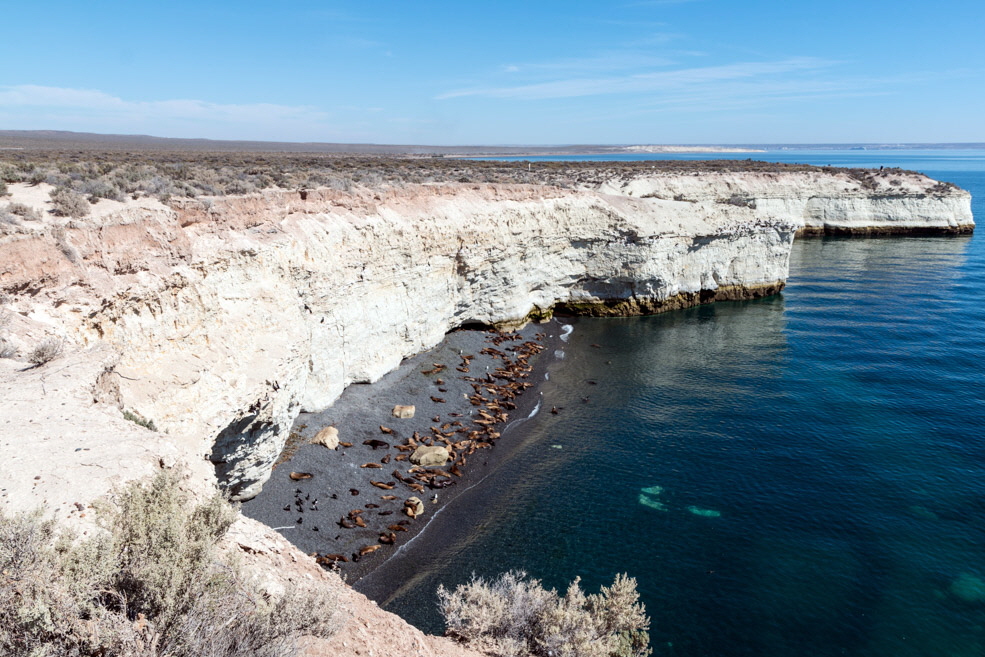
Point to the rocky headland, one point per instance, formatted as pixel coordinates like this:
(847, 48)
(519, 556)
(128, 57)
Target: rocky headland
(196, 332)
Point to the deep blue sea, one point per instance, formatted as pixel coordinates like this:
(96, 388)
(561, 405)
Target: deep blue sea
(802, 475)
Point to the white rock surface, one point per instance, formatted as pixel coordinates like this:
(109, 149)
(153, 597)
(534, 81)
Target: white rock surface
(225, 321)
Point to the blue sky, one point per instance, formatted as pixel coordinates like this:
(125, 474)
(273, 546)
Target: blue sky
(639, 71)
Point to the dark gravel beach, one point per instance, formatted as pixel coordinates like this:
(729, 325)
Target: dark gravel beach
(470, 394)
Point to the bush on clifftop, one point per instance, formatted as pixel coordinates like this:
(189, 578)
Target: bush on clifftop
(513, 616)
(150, 585)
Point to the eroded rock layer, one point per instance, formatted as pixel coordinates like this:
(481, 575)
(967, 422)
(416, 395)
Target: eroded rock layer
(229, 317)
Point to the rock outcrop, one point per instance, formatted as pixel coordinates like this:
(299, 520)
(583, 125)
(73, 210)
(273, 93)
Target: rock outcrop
(220, 321)
(229, 317)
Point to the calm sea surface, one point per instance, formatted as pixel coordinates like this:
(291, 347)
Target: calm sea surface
(800, 475)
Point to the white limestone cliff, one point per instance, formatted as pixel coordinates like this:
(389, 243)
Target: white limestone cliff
(226, 319)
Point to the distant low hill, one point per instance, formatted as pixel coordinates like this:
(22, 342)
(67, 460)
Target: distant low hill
(65, 140)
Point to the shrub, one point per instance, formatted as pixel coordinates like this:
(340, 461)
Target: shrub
(46, 351)
(512, 616)
(7, 350)
(149, 585)
(25, 211)
(138, 419)
(68, 203)
(3, 188)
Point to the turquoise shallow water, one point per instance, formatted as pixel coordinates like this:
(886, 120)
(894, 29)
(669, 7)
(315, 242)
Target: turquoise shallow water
(800, 475)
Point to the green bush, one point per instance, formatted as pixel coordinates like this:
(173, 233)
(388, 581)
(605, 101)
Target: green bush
(512, 616)
(150, 585)
(68, 203)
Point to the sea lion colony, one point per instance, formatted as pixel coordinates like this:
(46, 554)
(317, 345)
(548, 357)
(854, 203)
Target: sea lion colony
(461, 435)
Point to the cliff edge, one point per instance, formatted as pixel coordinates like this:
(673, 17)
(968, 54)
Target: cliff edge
(196, 332)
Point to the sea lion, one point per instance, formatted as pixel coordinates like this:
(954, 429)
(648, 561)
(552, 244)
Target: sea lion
(439, 382)
(388, 539)
(397, 528)
(371, 465)
(401, 457)
(388, 497)
(368, 549)
(345, 444)
(385, 459)
(380, 484)
(372, 506)
(437, 400)
(359, 521)
(384, 429)
(298, 476)
(331, 558)
(353, 491)
(385, 513)
(346, 523)
(375, 444)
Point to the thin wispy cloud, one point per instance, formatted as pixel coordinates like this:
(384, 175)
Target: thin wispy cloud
(88, 99)
(62, 105)
(646, 82)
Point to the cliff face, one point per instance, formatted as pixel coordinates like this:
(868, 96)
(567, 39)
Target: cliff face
(886, 202)
(220, 321)
(229, 318)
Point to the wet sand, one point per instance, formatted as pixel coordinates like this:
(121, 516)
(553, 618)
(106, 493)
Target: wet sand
(338, 514)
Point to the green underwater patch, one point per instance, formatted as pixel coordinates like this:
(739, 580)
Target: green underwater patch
(649, 498)
(707, 513)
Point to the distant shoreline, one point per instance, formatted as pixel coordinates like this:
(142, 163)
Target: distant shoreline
(48, 140)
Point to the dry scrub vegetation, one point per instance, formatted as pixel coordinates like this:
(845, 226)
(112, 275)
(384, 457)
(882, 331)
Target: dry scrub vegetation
(513, 616)
(165, 174)
(152, 584)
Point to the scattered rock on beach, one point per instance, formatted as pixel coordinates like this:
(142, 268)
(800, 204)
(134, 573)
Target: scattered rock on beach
(413, 507)
(428, 456)
(403, 412)
(329, 437)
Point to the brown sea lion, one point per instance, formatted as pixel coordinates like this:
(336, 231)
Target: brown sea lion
(397, 528)
(386, 429)
(375, 444)
(371, 465)
(298, 476)
(331, 558)
(380, 484)
(368, 549)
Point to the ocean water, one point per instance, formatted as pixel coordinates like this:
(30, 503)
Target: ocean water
(798, 475)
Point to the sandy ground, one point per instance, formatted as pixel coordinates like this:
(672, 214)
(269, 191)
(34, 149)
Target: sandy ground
(323, 514)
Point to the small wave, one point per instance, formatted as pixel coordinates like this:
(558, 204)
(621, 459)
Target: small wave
(566, 331)
(559, 354)
(547, 376)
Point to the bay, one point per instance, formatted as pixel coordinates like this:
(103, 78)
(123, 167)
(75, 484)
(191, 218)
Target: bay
(803, 474)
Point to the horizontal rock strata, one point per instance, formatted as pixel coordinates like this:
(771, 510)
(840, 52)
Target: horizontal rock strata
(229, 317)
